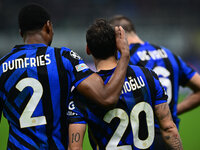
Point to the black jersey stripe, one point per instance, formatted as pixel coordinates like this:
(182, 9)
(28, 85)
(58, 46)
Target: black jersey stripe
(95, 144)
(139, 97)
(21, 141)
(169, 67)
(134, 48)
(15, 94)
(12, 146)
(29, 133)
(46, 99)
(151, 84)
(182, 82)
(74, 62)
(15, 119)
(137, 94)
(10, 114)
(6, 57)
(5, 76)
(142, 115)
(63, 74)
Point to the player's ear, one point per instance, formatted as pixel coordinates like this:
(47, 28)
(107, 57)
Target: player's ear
(88, 50)
(48, 27)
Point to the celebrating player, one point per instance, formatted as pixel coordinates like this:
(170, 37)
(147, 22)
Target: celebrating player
(171, 70)
(36, 80)
(130, 124)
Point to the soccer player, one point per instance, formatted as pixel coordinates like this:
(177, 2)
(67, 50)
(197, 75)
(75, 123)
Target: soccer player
(130, 123)
(36, 82)
(171, 70)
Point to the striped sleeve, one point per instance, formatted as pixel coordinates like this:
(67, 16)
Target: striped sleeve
(186, 72)
(78, 69)
(74, 116)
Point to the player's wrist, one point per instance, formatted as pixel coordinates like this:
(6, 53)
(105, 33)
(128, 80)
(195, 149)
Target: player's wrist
(125, 56)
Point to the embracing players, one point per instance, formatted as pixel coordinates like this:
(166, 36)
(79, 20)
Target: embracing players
(130, 123)
(36, 82)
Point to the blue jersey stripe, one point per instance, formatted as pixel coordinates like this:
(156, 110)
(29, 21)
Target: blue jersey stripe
(151, 56)
(54, 71)
(140, 86)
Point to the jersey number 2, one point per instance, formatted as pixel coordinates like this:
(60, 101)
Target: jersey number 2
(134, 119)
(25, 119)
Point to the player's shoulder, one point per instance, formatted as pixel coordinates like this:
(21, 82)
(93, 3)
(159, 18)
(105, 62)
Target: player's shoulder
(137, 68)
(69, 53)
(140, 70)
(167, 50)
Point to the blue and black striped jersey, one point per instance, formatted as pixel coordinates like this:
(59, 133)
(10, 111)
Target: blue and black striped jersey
(171, 70)
(130, 124)
(35, 85)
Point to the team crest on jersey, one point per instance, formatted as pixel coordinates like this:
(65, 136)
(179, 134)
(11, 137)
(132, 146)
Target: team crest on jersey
(81, 67)
(75, 55)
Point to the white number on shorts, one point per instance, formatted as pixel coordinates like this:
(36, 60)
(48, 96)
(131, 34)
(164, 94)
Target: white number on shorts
(26, 120)
(124, 121)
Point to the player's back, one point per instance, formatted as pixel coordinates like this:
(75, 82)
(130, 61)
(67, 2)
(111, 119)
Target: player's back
(171, 70)
(35, 85)
(130, 124)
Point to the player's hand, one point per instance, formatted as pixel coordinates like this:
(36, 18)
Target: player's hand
(121, 41)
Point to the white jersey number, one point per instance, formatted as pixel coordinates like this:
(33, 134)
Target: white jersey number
(124, 121)
(165, 81)
(26, 120)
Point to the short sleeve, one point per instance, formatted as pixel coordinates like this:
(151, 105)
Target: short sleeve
(77, 68)
(74, 116)
(185, 71)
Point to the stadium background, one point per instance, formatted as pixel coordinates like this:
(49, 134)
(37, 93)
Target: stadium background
(174, 24)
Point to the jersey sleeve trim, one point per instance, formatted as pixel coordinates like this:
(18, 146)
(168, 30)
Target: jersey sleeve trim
(76, 121)
(160, 102)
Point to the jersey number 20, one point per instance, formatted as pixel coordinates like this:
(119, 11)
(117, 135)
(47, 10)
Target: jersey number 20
(134, 120)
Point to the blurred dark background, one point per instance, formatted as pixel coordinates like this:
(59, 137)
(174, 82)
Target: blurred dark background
(174, 24)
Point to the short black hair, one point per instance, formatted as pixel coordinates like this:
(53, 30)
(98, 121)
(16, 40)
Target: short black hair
(32, 17)
(126, 23)
(100, 39)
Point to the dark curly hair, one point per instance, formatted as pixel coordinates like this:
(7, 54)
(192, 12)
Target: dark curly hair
(100, 39)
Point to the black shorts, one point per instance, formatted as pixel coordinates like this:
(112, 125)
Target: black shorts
(159, 143)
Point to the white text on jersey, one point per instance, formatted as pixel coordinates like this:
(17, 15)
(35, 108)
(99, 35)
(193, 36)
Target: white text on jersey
(155, 54)
(133, 84)
(26, 62)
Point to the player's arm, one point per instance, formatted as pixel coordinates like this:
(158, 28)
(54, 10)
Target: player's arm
(162, 112)
(76, 135)
(168, 129)
(93, 87)
(193, 100)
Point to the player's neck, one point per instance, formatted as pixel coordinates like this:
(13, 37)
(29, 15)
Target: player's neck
(134, 38)
(106, 64)
(35, 39)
